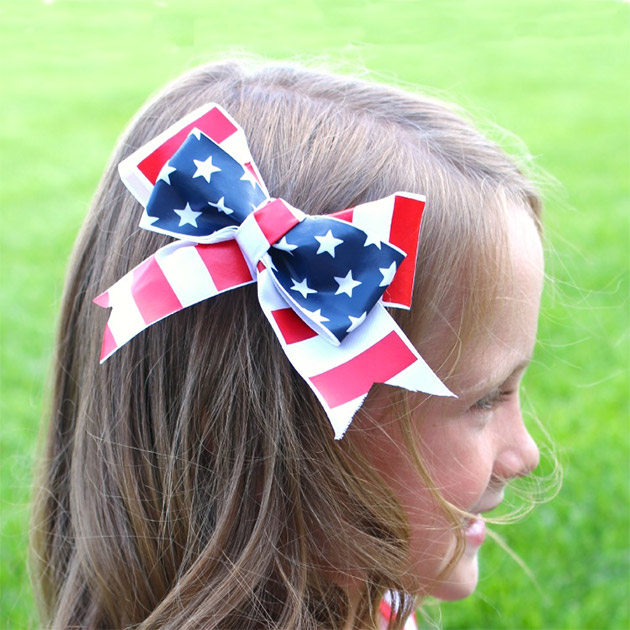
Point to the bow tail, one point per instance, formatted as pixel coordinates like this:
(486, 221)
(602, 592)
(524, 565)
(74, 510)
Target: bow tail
(175, 277)
(341, 376)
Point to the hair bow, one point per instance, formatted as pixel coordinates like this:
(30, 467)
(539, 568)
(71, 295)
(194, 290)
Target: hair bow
(323, 281)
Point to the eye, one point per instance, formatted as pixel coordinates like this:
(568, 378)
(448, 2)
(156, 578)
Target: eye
(492, 400)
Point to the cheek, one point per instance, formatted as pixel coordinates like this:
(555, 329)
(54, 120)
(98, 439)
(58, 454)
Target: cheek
(433, 530)
(433, 541)
(456, 459)
(460, 465)
(460, 462)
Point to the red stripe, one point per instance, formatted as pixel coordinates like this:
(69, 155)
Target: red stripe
(275, 220)
(102, 299)
(250, 168)
(213, 123)
(382, 361)
(291, 326)
(404, 231)
(152, 292)
(225, 263)
(386, 613)
(109, 343)
(344, 215)
(385, 610)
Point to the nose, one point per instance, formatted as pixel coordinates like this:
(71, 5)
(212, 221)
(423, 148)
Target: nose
(518, 453)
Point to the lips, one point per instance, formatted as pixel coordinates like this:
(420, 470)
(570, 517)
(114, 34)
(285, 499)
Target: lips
(475, 527)
(475, 532)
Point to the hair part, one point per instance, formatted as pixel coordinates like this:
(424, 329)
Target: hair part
(192, 480)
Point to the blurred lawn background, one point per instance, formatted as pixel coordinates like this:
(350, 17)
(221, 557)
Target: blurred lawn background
(556, 73)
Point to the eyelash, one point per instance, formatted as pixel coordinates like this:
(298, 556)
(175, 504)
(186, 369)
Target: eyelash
(492, 400)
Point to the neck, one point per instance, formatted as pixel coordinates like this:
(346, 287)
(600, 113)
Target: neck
(354, 598)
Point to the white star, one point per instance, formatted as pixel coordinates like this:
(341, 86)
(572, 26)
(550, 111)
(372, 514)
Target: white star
(205, 168)
(284, 246)
(187, 215)
(317, 316)
(248, 177)
(164, 173)
(388, 275)
(355, 322)
(302, 287)
(372, 240)
(327, 243)
(221, 207)
(347, 284)
(197, 133)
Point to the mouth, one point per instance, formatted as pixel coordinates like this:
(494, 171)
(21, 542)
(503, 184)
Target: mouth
(475, 531)
(475, 526)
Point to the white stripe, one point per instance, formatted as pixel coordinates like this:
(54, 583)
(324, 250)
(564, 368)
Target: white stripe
(341, 416)
(139, 186)
(233, 145)
(252, 242)
(268, 292)
(375, 217)
(125, 320)
(419, 377)
(318, 355)
(188, 276)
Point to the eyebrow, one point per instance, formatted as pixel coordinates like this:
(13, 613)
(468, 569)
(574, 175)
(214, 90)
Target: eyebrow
(497, 380)
(520, 367)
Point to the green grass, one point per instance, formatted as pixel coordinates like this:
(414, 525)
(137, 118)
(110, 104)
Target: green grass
(553, 72)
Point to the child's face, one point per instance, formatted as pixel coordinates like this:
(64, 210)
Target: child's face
(471, 445)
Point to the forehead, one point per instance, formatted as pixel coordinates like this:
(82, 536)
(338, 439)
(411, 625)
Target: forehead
(505, 341)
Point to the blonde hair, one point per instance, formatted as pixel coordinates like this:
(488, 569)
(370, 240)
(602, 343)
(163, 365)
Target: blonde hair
(192, 480)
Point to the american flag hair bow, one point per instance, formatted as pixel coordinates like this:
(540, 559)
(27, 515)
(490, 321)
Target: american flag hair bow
(323, 281)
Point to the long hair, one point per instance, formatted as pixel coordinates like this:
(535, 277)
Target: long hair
(192, 480)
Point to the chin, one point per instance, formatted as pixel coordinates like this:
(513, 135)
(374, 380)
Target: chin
(462, 580)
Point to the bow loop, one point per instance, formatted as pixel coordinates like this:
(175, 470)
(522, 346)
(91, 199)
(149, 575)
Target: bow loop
(332, 273)
(201, 190)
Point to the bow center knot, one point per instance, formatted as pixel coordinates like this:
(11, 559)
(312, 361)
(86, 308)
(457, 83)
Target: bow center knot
(266, 226)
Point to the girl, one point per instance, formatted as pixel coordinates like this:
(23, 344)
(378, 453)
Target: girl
(192, 480)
